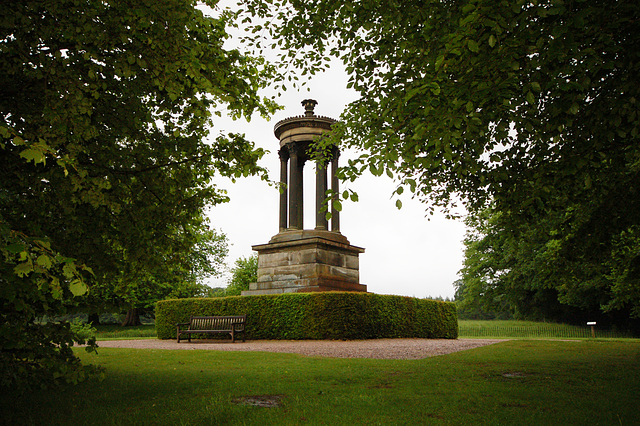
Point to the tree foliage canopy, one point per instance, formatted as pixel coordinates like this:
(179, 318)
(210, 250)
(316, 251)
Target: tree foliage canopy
(106, 156)
(243, 273)
(527, 107)
(535, 272)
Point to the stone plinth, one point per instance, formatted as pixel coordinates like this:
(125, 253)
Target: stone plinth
(307, 261)
(298, 260)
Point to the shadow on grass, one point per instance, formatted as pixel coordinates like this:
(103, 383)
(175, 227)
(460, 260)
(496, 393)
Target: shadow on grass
(514, 382)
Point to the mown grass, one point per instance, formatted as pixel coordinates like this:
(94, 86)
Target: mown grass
(467, 328)
(531, 329)
(514, 382)
(114, 331)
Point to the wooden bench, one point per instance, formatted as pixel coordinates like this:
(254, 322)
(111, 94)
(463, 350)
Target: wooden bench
(211, 325)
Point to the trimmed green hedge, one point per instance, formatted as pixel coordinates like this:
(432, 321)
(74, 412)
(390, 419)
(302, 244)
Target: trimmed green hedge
(330, 315)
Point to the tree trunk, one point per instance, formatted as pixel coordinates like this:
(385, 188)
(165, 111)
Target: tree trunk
(94, 319)
(132, 318)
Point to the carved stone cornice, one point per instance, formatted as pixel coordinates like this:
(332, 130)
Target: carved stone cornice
(301, 121)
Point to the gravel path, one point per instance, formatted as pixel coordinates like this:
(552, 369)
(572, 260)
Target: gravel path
(378, 348)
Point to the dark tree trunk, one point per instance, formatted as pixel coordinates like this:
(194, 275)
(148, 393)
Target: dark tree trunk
(132, 318)
(94, 319)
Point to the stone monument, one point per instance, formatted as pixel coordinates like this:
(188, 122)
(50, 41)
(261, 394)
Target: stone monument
(295, 259)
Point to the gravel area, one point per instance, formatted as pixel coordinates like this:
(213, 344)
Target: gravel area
(378, 348)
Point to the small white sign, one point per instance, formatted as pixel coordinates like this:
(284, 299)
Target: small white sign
(591, 323)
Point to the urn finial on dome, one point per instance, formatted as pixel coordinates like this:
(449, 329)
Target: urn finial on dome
(309, 105)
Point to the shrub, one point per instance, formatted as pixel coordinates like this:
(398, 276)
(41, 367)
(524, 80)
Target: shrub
(331, 315)
(82, 330)
(243, 273)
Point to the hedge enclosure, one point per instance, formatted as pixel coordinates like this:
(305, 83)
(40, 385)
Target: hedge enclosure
(331, 315)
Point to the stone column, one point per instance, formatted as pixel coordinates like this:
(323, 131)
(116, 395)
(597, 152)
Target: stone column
(296, 162)
(335, 214)
(321, 195)
(284, 189)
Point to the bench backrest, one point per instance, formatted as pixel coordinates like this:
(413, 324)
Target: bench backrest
(215, 323)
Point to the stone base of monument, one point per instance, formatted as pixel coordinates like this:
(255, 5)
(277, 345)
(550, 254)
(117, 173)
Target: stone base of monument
(297, 261)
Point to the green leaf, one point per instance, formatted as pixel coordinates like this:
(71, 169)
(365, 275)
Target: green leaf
(34, 155)
(337, 205)
(574, 109)
(469, 106)
(376, 170)
(15, 248)
(411, 93)
(78, 288)
(56, 293)
(530, 98)
(412, 184)
(23, 269)
(44, 261)
(69, 270)
(398, 204)
(468, 8)
(492, 40)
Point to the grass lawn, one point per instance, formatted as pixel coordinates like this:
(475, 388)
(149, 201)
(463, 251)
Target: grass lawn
(115, 331)
(531, 329)
(519, 382)
(468, 329)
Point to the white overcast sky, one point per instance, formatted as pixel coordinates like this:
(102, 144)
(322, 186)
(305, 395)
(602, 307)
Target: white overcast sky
(406, 253)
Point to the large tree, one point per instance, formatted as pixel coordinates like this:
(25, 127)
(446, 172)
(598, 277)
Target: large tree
(518, 270)
(527, 106)
(136, 290)
(106, 155)
(243, 273)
